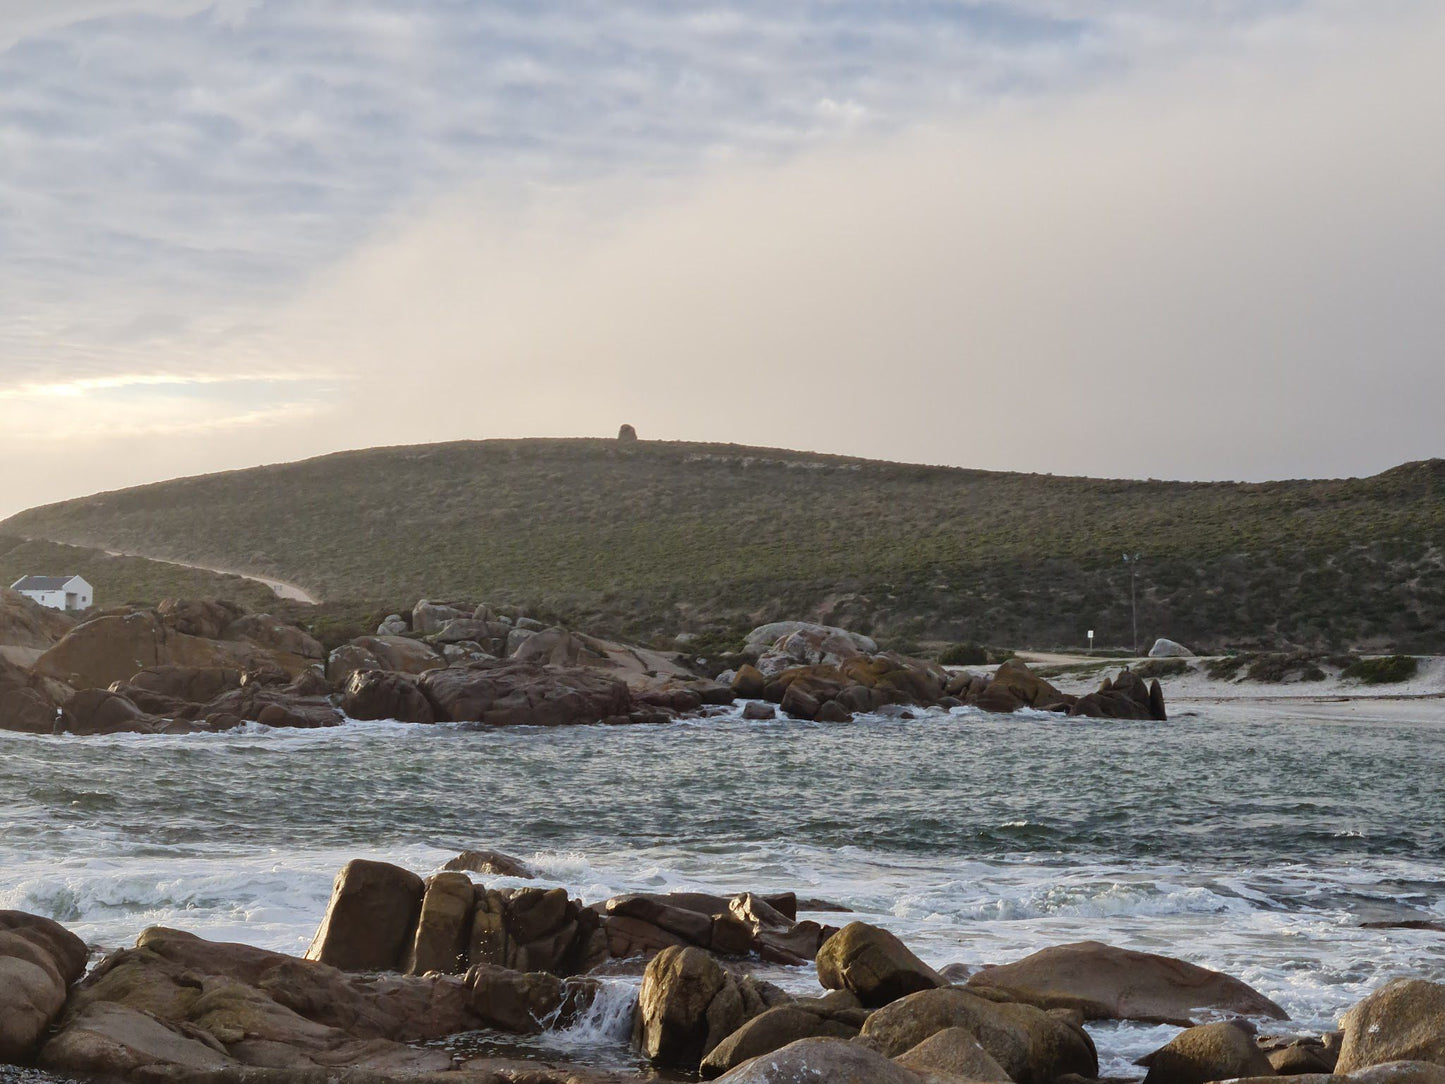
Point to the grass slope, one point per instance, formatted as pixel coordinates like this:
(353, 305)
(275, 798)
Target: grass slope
(651, 537)
(119, 580)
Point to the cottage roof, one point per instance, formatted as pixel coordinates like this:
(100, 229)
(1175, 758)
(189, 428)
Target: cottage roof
(41, 583)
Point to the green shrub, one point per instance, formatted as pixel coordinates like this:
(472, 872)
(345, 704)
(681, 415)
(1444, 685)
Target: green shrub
(1389, 670)
(1161, 668)
(1227, 668)
(963, 655)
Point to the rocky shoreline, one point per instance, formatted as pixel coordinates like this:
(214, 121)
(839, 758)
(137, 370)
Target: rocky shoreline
(191, 666)
(402, 962)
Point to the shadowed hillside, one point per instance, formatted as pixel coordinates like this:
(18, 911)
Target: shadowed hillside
(652, 538)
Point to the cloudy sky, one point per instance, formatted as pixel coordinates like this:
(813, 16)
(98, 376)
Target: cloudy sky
(1153, 238)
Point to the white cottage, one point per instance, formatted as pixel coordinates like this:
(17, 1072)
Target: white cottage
(57, 592)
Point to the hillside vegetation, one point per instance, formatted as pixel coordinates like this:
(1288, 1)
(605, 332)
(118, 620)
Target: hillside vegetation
(119, 580)
(653, 538)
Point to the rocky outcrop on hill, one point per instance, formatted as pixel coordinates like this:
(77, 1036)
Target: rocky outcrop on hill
(28, 626)
(113, 647)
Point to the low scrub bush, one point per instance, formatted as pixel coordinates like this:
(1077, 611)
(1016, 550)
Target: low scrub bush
(1390, 670)
(963, 655)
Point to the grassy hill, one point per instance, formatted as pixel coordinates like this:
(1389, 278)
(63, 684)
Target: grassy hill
(119, 580)
(653, 538)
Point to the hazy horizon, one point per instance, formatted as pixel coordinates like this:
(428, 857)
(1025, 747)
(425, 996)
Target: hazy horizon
(1109, 239)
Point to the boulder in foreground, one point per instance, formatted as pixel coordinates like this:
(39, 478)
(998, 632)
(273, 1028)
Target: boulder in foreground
(1404, 1021)
(820, 1061)
(873, 964)
(39, 959)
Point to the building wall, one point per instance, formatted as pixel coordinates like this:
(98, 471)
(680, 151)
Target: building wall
(54, 599)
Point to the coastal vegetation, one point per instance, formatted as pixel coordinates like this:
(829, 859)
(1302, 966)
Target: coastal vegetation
(648, 539)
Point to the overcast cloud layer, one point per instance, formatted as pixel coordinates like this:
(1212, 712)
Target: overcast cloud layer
(1151, 238)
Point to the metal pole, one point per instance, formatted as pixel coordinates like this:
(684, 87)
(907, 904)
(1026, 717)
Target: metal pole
(1134, 599)
(1132, 560)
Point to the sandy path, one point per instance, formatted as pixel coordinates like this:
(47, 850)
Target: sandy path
(281, 588)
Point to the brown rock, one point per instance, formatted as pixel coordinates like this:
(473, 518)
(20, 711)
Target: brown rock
(386, 694)
(749, 682)
(511, 693)
(443, 925)
(490, 862)
(1029, 1044)
(820, 1061)
(1108, 983)
(772, 1030)
(1402, 1021)
(874, 964)
(39, 959)
(688, 1004)
(1222, 1051)
(953, 1053)
(371, 919)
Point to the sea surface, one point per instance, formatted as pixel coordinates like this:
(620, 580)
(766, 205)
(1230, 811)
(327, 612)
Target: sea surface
(1253, 844)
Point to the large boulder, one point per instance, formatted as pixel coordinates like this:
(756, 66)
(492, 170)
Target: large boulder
(519, 693)
(1403, 1021)
(115, 647)
(399, 653)
(493, 862)
(187, 684)
(771, 1031)
(1030, 1045)
(25, 704)
(428, 617)
(371, 918)
(178, 1007)
(1107, 983)
(27, 626)
(785, 644)
(280, 637)
(873, 964)
(820, 1061)
(1125, 697)
(1219, 1051)
(100, 711)
(207, 618)
(953, 1053)
(39, 959)
(688, 1004)
(386, 694)
(443, 926)
(1169, 649)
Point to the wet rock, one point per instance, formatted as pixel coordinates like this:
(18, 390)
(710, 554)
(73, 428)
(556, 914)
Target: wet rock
(772, 1030)
(385, 694)
(99, 711)
(1402, 1021)
(514, 693)
(749, 682)
(953, 1053)
(1108, 983)
(1030, 1045)
(443, 926)
(39, 959)
(873, 964)
(820, 1061)
(371, 918)
(757, 711)
(1221, 1051)
(25, 705)
(490, 862)
(689, 1003)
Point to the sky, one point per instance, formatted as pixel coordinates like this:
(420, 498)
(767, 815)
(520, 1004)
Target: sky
(1134, 238)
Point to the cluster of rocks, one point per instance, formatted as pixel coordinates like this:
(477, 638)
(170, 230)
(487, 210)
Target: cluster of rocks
(401, 962)
(191, 665)
(385, 918)
(829, 674)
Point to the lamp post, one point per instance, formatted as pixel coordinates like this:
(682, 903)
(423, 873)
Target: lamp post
(1132, 560)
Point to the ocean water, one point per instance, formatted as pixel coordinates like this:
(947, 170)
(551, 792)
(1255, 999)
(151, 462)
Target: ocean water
(1251, 844)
